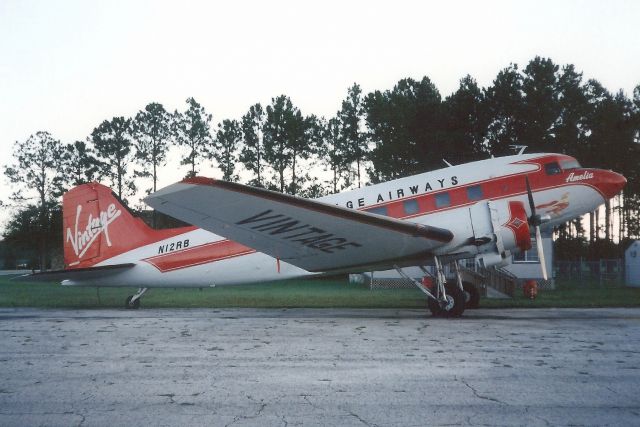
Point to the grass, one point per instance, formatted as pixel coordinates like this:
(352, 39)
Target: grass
(573, 294)
(303, 293)
(307, 293)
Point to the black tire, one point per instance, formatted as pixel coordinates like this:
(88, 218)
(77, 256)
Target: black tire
(135, 305)
(471, 295)
(434, 307)
(455, 306)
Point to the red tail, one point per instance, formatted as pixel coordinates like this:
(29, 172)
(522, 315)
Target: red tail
(97, 227)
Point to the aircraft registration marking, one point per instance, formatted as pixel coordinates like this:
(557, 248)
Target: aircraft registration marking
(173, 246)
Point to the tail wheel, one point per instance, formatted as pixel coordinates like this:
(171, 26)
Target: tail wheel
(471, 295)
(452, 307)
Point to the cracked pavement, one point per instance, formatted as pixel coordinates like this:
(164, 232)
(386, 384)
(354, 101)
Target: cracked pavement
(347, 367)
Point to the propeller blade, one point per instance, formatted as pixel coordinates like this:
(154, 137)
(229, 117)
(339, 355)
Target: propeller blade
(543, 264)
(532, 205)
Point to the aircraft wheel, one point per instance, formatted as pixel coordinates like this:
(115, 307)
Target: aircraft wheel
(434, 307)
(135, 305)
(471, 295)
(453, 307)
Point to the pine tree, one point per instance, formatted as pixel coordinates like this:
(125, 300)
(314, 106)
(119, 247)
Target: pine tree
(193, 131)
(152, 130)
(79, 163)
(225, 147)
(252, 154)
(112, 141)
(38, 171)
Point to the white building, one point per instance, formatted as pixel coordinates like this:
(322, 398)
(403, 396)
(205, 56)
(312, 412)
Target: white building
(526, 265)
(632, 264)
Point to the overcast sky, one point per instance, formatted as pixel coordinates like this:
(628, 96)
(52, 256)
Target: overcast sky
(67, 65)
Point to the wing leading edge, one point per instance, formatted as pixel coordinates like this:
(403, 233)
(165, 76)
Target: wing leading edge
(306, 233)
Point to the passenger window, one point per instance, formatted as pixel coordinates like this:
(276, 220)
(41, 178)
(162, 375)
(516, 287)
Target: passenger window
(443, 200)
(474, 192)
(411, 207)
(552, 168)
(381, 210)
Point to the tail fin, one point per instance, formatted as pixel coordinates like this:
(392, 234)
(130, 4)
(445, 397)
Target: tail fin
(97, 226)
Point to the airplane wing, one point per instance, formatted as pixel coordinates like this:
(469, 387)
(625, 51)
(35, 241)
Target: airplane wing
(312, 235)
(74, 273)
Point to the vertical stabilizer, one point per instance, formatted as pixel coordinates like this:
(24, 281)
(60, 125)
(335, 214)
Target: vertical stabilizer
(97, 227)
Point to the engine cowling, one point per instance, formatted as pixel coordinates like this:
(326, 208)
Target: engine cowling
(500, 228)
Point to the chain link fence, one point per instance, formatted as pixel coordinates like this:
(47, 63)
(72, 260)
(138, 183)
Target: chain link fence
(602, 272)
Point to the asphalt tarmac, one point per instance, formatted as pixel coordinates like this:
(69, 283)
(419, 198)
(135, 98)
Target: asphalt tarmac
(309, 367)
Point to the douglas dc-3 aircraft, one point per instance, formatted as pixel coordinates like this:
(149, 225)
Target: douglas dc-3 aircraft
(485, 210)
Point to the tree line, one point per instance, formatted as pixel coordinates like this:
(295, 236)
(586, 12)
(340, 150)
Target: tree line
(373, 137)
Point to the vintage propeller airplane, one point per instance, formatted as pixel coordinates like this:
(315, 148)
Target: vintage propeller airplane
(485, 210)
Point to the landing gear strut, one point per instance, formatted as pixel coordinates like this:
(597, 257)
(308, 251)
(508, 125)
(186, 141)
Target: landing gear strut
(445, 299)
(133, 301)
(470, 292)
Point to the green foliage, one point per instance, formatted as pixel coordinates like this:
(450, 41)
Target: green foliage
(80, 164)
(37, 171)
(152, 131)
(540, 109)
(466, 123)
(37, 168)
(504, 100)
(354, 140)
(252, 153)
(335, 153)
(569, 248)
(36, 232)
(112, 141)
(193, 131)
(289, 137)
(406, 127)
(225, 148)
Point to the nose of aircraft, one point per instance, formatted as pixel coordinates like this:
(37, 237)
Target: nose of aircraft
(610, 183)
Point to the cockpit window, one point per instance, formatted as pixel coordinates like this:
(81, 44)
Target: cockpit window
(552, 168)
(570, 164)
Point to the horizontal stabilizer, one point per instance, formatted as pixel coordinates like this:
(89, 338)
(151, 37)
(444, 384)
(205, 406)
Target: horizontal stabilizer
(75, 274)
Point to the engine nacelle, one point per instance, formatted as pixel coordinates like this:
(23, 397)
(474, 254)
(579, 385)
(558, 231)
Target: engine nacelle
(499, 229)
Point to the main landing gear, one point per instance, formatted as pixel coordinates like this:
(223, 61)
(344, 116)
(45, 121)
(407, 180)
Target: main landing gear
(444, 299)
(133, 301)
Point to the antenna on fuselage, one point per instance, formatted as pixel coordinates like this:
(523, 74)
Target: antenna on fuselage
(447, 163)
(519, 148)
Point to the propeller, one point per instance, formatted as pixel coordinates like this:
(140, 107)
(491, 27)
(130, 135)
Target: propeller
(535, 220)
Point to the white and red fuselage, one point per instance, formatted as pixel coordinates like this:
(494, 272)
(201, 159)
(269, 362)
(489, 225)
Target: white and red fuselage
(99, 231)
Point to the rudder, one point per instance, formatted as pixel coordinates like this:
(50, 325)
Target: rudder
(97, 226)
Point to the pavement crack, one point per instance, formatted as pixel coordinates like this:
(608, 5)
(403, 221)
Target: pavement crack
(249, 417)
(610, 389)
(359, 418)
(480, 396)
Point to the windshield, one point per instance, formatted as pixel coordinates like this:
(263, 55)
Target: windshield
(570, 164)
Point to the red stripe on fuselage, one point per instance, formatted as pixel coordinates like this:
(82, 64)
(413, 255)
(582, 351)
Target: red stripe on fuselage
(198, 255)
